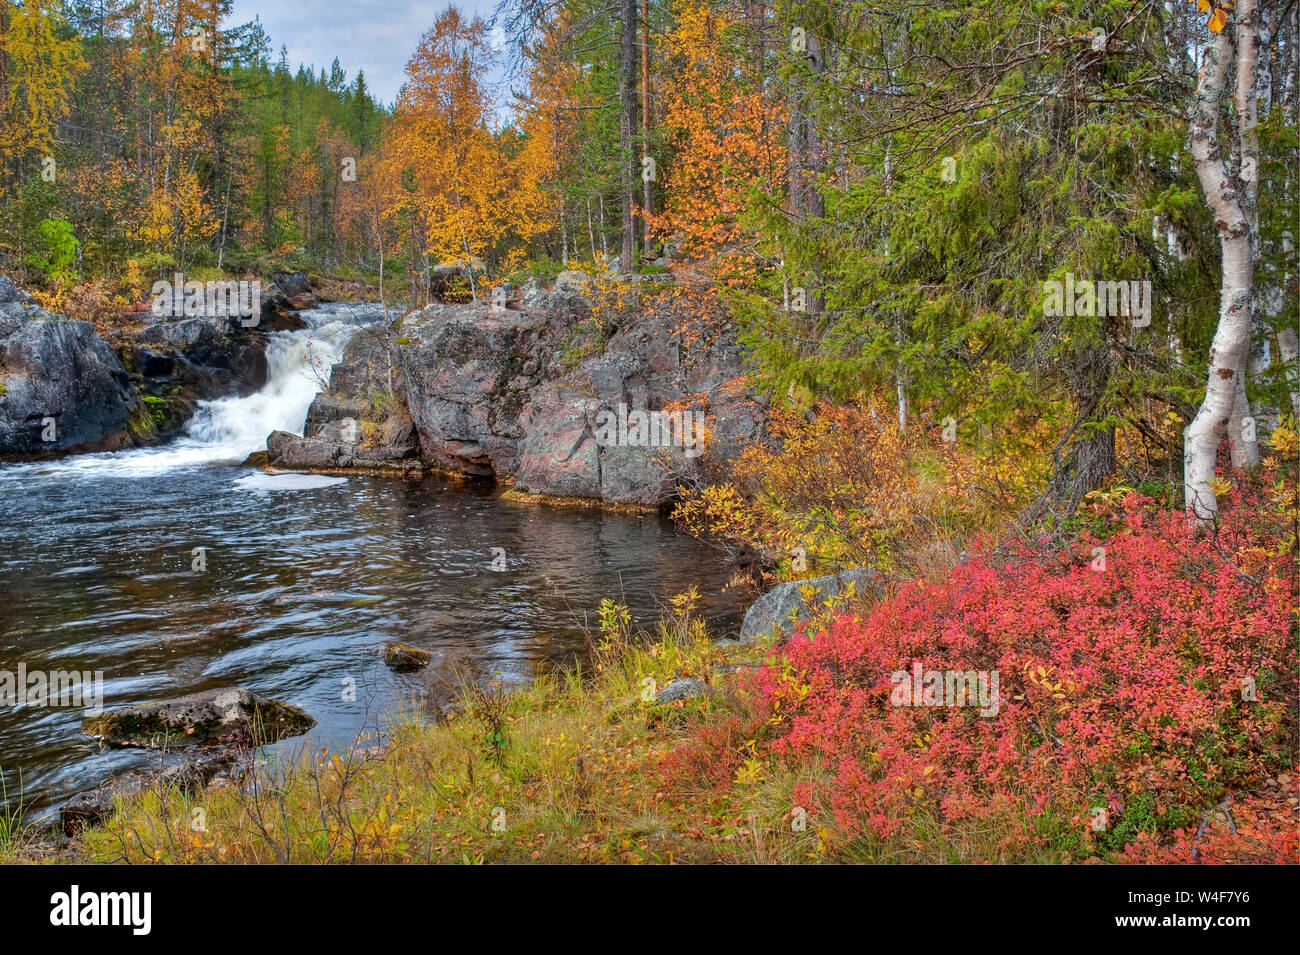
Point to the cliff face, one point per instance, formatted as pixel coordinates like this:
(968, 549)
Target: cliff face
(61, 386)
(615, 406)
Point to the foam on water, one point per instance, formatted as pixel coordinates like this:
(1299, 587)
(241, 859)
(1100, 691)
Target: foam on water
(289, 481)
(228, 430)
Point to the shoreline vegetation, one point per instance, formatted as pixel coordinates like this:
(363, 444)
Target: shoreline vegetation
(671, 747)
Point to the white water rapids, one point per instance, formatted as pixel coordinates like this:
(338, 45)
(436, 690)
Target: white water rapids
(228, 430)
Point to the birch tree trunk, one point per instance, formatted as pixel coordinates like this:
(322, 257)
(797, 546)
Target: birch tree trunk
(1231, 345)
(1241, 426)
(1288, 339)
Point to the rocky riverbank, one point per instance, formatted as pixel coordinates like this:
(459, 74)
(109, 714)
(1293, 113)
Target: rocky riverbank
(524, 389)
(62, 388)
(66, 389)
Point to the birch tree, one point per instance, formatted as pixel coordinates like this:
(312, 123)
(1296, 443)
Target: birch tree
(1231, 59)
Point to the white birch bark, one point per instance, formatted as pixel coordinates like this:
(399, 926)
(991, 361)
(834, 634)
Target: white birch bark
(1231, 344)
(1288, 338)
(1242, 439)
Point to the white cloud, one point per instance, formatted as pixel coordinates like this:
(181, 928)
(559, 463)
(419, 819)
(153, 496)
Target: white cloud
(377, 36)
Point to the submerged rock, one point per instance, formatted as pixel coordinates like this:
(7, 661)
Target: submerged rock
(91, 808)
(779, 608)
(230, 715)
(404, 658)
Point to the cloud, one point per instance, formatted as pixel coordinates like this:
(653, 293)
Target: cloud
(377, 36)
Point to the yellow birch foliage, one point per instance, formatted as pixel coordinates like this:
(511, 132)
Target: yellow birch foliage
(36, 71)
(441, 133)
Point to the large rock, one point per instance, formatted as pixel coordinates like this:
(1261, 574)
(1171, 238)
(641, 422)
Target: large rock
(355, 425)
(454, 267)
(207, 357)
(520, 393)
(290, 292)
(783, 606)
(471, 369)
(176, 363)
(683, 688)
(335, 448)
(230, 715)
(96, 805)
(292, 283)
(9, 292)
(62, 388)
(572, 280)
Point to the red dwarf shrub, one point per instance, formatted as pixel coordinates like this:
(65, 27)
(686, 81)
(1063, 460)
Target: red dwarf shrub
(1261, 828)
(1134, 692)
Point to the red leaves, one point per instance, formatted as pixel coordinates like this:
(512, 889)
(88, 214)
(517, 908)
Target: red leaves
(1170, 676)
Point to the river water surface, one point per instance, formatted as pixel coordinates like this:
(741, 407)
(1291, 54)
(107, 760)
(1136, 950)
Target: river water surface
(303, 577)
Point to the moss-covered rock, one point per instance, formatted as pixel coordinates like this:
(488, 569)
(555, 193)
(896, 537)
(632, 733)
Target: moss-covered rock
(230, 715)
(403, 657)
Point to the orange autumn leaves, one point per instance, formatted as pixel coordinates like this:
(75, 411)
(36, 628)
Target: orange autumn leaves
(724, 131)
(470, 186)
(722, 136)
(1219, 18)
(475, 191)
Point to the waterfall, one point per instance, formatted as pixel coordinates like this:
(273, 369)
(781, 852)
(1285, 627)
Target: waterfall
(228, 430)
(298, 367)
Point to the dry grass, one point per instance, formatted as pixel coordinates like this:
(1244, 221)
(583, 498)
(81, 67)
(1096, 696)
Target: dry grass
(570, 769)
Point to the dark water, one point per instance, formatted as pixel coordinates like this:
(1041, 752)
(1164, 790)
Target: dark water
(302, 587)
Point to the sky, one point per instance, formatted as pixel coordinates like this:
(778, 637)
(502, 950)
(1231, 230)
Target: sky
(377, 36)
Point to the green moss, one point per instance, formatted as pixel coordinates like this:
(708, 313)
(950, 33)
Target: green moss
(122, 727)
(159, 410)
(140, 423)
(580, 344)
(380, 405)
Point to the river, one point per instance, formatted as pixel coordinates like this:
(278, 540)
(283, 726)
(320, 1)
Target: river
(300, 581)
